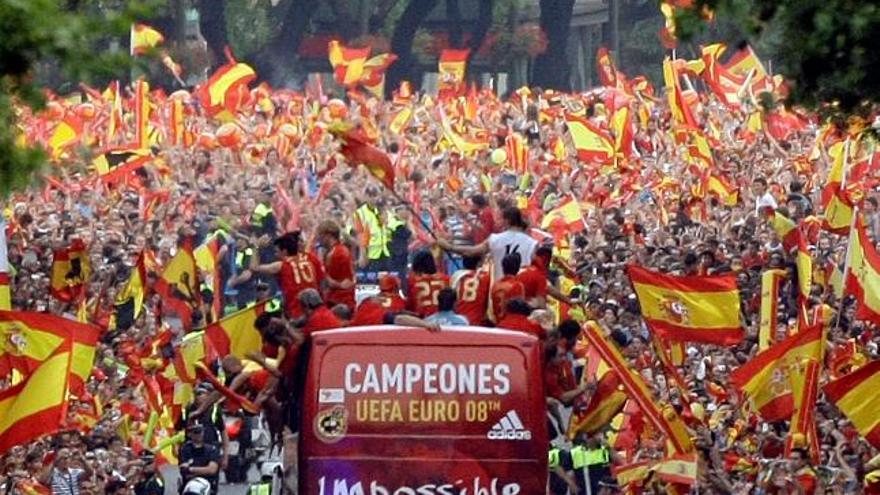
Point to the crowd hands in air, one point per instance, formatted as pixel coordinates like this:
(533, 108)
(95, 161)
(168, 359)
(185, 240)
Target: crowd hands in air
(314, 233)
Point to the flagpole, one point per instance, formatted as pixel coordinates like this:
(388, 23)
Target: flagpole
(846, 267)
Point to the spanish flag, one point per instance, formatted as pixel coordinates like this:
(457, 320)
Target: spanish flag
(142, 113)
(357, 151)
(38, 405)
(770, 280)
(863, 277)
(570, 213)
(804, 263)
(452, 66)
(592, 143)
(758, 378)
(400, 120)
(144, 38)
(5, 294)
(680, 469)
(690, 308)
(681, 112)
(632, 475)
(176, 122)
(836, 199)
(129, 302)
(855, 395)
(661, 416)
(721, 187)
(226, 90)
(608, 74)
(66, 134)
(373, 78)
(36, 336)
(179, 283)
(347, 62)
(786, 230)
(621, 124)
(71, 269)
(804, 376)
(606, 403)
(236, 334)
(208, 261)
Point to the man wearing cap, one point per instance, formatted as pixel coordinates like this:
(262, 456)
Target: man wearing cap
(151, 482)
(207, 413)
(199, 459)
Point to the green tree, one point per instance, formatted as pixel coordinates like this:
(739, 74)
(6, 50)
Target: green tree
(828, 50)
(60, 38)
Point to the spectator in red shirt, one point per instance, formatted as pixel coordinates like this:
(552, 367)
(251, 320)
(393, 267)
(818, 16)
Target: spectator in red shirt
(372, 310)
(507, 287)
(317, 315)
(339, 266)
(485, 224)
(516, 317)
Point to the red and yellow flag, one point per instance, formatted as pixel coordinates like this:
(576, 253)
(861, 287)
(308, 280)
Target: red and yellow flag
(142, 114)
(115, 164)
(804, 264)
(236, 334)
(863, 277)
(452, 66)
(226, 90)
(786, 230)
(690, 308)
(592, 143)
(71, 270)
(679, 469)
(681, 111)
(764, 378)
(606, 403)
(143, 38)
(836, 200)
(66, 134)
(347, 62)
(661, 416)
(856, 396)
(129, 302)
(569, 213)
(770, 281)
(179, 283)
(358, 151)
(38, 405)
(608, 73)
(373, 78)
(207, 260)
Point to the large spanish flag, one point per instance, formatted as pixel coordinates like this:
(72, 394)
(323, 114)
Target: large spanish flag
(5, 294)
(856, 396)
(34, 337)
(591, 142)
(764, 379)
(358, 151)
(863, 275)
(690, 308)
(452, 66)
(38, 405)
(236, 334)
(71, 269)
(661, 416)
(836, 200)
(681, 111)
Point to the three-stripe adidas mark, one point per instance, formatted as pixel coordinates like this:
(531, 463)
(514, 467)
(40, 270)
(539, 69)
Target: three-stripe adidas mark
(509, 427)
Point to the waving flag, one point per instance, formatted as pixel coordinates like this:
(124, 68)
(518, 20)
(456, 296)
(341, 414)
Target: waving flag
(373, 78)
(786, 230)
(115, 164)
(38, 405)
(608, 73)
(357, 151)
(207, 259)
(863, 276)
(592, 143)
(142, 114)
(836, 200)
(179, 283)
(66, 134)
(690, 308)
(804, 264)
(681, 111)
(226, 89)
(452, 66)
(855, 395)
(347, 62)
(144, 38)
(662, 416)
(770, 281)
(764, 380)
(235, 334)
(129, 302)
(569, 213)
(71, 270)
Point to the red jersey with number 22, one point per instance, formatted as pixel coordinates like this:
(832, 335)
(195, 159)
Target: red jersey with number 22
(423, 292)
(298, 272)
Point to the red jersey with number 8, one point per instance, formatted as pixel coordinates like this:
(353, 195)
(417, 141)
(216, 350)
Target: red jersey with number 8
(472, 296)
(298, 272)
(423, 293)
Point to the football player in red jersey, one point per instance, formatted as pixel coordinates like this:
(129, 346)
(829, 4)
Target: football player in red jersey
(424, 285)
(507, 287)
(339, 266)
(472, 290)
(296, 271)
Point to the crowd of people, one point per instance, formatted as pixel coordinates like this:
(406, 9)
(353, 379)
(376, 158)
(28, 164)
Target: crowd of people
(465, 235)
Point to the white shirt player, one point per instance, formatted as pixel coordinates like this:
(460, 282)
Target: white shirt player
(511, 241)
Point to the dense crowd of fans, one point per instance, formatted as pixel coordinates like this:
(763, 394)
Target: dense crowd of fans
(337, 248)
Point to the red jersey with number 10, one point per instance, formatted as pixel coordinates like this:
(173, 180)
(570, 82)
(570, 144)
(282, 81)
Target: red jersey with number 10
(298, 272)
(423, 292)
(472, 296)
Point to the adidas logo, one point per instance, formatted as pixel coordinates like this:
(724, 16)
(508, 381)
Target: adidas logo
(509, 427)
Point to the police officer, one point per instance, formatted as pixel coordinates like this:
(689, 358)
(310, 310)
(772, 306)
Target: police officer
(151, 482)
(199, 459)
